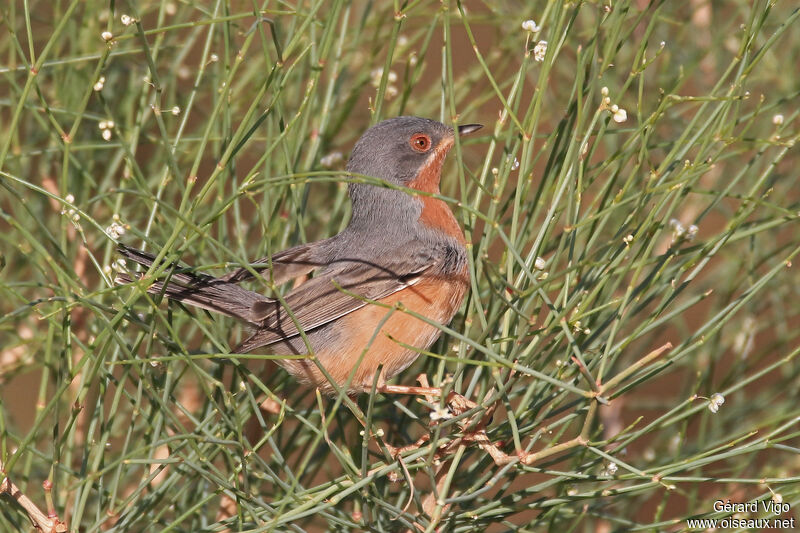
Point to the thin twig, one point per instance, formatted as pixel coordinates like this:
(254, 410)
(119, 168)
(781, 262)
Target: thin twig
(40, 520)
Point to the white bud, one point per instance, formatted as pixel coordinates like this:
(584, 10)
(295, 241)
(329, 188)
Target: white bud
(107, 36)
(620, 115)
(531, 26)
(540, 50)
(715, 402)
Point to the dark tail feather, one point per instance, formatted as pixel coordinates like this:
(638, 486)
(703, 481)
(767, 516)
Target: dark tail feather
(199, 290)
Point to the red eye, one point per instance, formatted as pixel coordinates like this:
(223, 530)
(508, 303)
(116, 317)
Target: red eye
(420, 142)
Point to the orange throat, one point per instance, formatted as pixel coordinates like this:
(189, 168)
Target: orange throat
(435, 212)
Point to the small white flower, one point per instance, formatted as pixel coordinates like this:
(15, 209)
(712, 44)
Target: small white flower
(413, 59)
(69, 199)
(620, 115)
(441, 413)
(604, 91)
(611, 468)
(539, 51)
(126, 20)
(107, 36)
(777, 119)
(103, 125)
(377, 74)
(628, 239)
(531, 26)
(213, 58)
(106, 135)
(176, 110)
(678, 231)
(515, 164)
(76, 217)
(99, 85)
(331, 159)
(715, 402)
(540, 263)
(115, 230)
(662, 44)
(691, 232)
(777, 497)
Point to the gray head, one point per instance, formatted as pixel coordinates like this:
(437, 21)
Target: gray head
(400, 150)
(396, 149)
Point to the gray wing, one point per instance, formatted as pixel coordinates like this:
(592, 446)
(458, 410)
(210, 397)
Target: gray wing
(287, 264)
(335, 293)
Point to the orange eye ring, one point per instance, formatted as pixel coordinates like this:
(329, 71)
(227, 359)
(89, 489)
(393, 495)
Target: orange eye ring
(420, 142)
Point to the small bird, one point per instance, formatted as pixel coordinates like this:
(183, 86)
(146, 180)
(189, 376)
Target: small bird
(400, 250)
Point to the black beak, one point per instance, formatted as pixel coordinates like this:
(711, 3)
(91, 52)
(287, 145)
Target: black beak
(469, 128)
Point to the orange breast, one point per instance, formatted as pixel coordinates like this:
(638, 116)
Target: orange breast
(435, 298)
